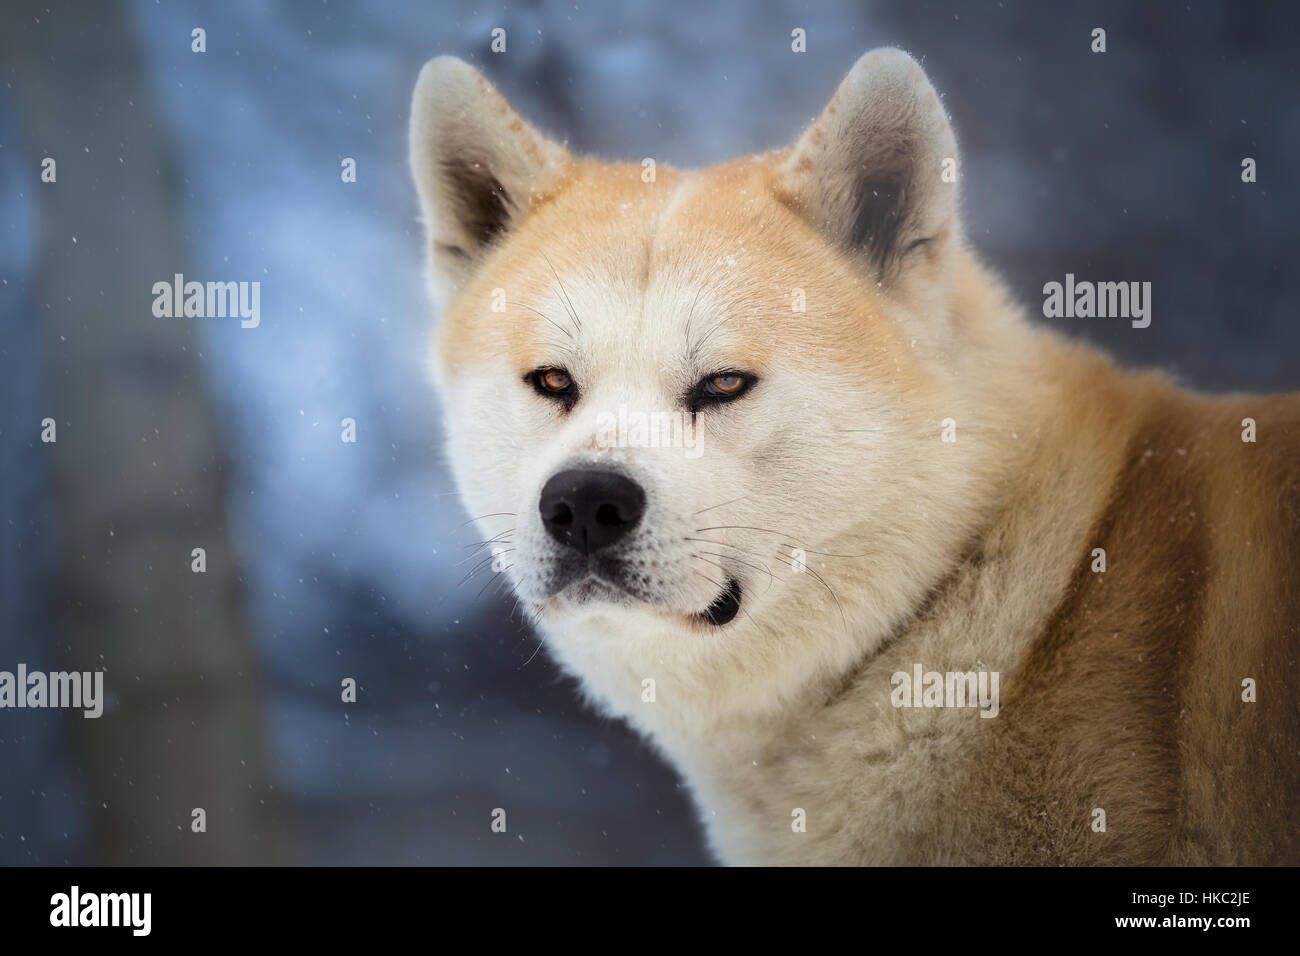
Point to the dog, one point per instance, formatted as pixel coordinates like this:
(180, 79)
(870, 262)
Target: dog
(785, 479)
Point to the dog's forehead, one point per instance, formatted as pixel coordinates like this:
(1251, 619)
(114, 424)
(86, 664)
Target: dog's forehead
(645, 266)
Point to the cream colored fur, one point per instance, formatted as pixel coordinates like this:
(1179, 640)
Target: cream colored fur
(949, 554)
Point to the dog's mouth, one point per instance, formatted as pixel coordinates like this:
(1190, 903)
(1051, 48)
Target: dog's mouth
(593, 589)
(596, 587)
(725, 607)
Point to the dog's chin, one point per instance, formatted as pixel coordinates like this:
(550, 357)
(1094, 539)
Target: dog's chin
(596, 595)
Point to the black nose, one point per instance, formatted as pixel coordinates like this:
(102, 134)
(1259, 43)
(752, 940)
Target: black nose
(590, 509)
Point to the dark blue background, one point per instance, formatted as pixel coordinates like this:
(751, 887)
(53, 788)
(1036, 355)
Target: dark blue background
(1119, 166)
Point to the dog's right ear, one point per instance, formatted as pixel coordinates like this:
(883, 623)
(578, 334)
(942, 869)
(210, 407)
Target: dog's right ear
(478, 167)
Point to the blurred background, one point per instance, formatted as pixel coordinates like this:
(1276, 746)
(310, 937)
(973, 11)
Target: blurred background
(328, 560)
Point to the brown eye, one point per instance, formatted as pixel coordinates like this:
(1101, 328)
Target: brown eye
(727, 383)
(720, 387)
(555, 380)
(554, 383)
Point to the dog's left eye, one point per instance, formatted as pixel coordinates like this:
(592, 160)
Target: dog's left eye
(720, 387)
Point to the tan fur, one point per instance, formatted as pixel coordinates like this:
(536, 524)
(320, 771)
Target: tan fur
(1121, 691)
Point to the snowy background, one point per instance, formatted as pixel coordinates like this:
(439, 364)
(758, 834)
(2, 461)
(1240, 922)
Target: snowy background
(1118, 166)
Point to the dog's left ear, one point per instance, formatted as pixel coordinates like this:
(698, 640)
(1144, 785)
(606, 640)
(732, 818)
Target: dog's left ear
(877, 171)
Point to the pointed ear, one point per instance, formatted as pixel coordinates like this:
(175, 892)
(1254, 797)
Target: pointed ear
(477, 166)
(870, 173)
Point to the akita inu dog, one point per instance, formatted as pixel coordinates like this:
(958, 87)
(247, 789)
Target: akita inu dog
(898, 499)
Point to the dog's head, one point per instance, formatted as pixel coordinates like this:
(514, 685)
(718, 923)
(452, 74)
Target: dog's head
(701, 409)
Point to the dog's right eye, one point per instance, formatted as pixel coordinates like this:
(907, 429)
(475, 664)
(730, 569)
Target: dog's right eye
(554, 383)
